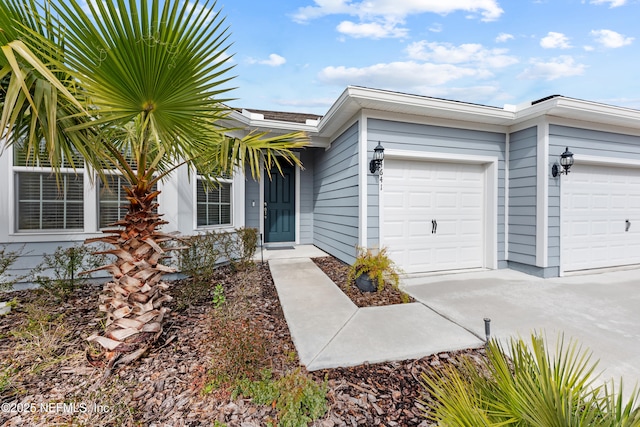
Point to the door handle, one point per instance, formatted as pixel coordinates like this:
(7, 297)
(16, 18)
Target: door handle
(265, 210)
(627, 225)
(434, 226)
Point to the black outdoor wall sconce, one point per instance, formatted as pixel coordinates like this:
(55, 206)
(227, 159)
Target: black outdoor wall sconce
(378, 156)
(566, 160)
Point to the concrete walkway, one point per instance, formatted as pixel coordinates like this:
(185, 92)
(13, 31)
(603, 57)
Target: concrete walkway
(329, 331)
(601, 311)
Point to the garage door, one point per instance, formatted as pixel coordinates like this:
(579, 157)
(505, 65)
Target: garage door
(600, 217)
(433, 215)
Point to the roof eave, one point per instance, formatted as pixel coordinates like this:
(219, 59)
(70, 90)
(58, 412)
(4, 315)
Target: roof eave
(581, 110)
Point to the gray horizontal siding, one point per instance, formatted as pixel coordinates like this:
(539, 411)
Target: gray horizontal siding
(435, 139)
(582, 142)
(522, 195)
(335, 197)
(251, 201)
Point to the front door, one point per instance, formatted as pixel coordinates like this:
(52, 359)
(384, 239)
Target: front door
(279, 206)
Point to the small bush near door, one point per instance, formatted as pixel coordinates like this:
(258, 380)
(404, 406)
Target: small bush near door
(207, 251)
(524, 385)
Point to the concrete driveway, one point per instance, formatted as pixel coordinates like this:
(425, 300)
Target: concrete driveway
(600, 311)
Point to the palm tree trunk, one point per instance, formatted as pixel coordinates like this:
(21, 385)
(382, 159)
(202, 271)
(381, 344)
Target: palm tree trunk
(133, 300)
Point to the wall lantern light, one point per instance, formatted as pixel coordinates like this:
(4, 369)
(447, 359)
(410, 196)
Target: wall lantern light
(378, 156)
(566, 160)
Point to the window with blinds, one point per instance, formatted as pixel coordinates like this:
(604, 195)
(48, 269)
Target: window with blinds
(46, 204)
(213, 204)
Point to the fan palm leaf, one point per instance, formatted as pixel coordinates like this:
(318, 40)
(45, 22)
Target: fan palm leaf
(138, 86)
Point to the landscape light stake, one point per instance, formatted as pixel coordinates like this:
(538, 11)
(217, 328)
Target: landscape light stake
(261, 253)
(487, 329)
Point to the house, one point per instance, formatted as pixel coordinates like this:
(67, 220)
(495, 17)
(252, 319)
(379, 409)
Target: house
(462, 186)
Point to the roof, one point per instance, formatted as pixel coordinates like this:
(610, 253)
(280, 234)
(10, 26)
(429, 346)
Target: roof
(357, 100)
(282, 116)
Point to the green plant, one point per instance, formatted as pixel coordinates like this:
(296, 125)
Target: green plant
(377, 265)
(248, 243)
(207, 251)
(140, 93)
(61, 270)
(202, 257)
(42, 338)
(218, 296)
(7, 259)
(297, 397)
(525, 385)
(240, 350)
(6, 375)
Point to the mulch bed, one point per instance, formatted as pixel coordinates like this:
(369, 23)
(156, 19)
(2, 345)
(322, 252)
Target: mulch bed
(338, 271)
(165, 388)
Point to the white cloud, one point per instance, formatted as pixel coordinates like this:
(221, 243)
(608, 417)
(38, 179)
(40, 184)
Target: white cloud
(503, 37)
(555, 40)
(469, 53)
(611, 39)
(399, 74)
(612, 3)
(274, 60)
(562, 66)
(372, 30)
(489, 10)
(436, 28)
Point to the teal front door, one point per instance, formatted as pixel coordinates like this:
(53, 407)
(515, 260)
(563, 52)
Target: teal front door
(280, 206)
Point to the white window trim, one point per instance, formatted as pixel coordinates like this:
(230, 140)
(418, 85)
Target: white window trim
(13, 202)
(232, 215)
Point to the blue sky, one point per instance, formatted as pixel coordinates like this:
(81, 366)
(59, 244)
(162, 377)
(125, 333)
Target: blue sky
(300, 55)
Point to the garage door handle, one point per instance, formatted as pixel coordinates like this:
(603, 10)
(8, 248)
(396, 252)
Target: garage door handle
(434, 226)
(627, 225)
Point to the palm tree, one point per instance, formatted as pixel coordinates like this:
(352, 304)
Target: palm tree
(138, 87)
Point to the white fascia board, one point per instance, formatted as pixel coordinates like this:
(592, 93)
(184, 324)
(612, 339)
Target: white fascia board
(254, 122)
(577, 109)
(384, 100)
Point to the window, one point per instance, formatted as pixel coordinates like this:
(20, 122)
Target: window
(213, 204)
(112, 200)
(44, 202)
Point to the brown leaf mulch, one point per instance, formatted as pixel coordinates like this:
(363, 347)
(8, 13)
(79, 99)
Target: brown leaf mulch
(45, 379)
(338, 270)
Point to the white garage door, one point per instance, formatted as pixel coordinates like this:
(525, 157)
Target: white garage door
(600, 217)
(433, 215)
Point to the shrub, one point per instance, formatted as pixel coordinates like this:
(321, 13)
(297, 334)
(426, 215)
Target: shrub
(61, 271)
(207, 251)
(240, 350)
(297, 397)
(248, 243)
(7, 259)
(527, 388)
